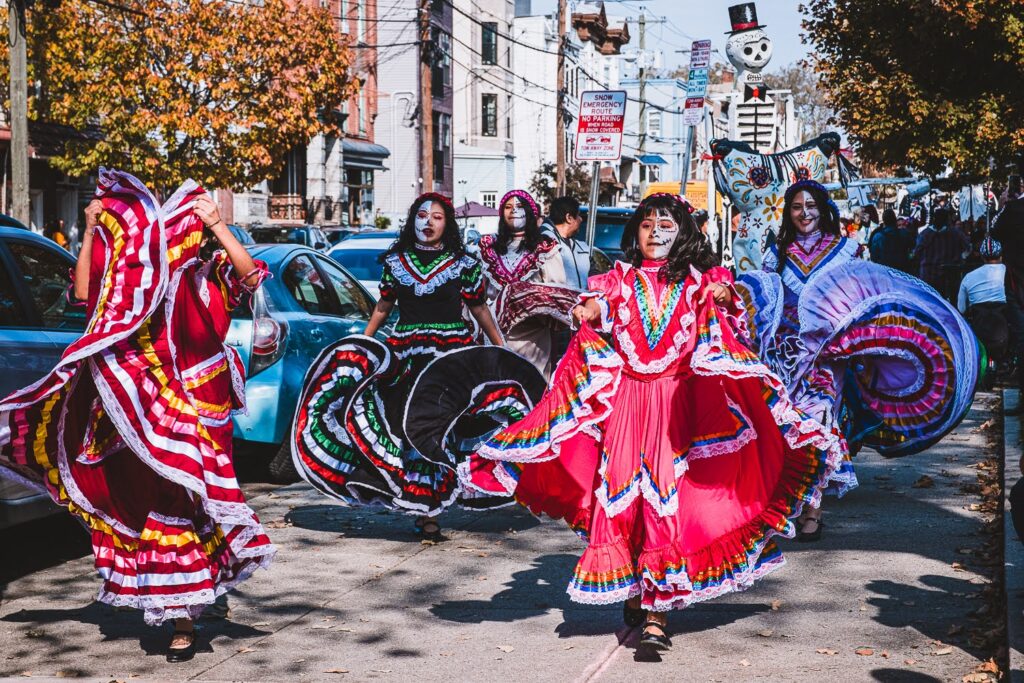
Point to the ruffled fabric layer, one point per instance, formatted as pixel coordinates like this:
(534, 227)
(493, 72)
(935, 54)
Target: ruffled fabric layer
(675, 522)
(369, 433)
(116, 433)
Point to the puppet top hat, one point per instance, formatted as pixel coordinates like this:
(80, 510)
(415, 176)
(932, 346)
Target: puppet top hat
(743, 17)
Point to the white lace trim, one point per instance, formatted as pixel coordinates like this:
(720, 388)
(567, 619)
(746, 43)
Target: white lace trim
(679, 339)
(435, 279)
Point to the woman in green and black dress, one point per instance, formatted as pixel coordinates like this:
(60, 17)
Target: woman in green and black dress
(350, 437)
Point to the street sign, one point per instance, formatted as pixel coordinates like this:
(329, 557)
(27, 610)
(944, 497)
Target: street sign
(599, 127)
(697, 82)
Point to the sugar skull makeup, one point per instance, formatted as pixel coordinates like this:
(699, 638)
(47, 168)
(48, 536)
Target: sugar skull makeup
(429, 223)
(658, 232)
(804, 213)
(515, 213)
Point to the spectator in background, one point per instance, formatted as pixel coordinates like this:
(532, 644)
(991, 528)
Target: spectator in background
(563, 224)
(941, 250)
(1008, 228)
(889, 245)
(982, 299)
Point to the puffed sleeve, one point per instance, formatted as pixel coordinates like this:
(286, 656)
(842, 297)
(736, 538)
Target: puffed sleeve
(388, 285)
(474, 288)
(233, 287)
(606, 290)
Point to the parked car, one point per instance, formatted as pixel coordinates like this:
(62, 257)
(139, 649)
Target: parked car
(360, 255)
(309, 303)
(36, 325)
(242, 235)
(307, 235)
(11, 222)
(611, 220)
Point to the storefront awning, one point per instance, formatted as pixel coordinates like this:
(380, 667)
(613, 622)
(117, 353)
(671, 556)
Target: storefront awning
(364, 155)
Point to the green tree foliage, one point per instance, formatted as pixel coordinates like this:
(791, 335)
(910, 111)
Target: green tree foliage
(544, 189)
(924, 83)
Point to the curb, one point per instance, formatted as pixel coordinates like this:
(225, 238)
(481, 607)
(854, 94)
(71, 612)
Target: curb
(1013, 549)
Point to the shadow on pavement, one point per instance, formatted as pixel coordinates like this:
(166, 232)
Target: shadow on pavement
(113, 625)
(902, 676)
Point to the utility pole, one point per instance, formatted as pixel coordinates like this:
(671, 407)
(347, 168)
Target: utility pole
(560, 100)
(642, 21)
(19, 111)
(426, 101)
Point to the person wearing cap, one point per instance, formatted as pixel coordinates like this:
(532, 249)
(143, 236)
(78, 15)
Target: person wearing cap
(982, 299)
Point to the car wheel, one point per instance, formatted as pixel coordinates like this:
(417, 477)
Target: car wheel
(282, 469)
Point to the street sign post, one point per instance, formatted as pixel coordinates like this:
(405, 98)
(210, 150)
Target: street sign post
(693, 109)
(599, 138)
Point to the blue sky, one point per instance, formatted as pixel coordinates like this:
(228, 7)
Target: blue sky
(697, 19)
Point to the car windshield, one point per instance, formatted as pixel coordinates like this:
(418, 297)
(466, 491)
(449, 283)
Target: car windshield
(609, 231)
(364, 264)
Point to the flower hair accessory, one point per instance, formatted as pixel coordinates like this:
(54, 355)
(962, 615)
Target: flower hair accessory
(662, 195)
(523, 195)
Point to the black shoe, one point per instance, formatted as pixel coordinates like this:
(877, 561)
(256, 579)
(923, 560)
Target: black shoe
(633, 616)
(656, 641)
(429, 530)
(811, 536)
(182, 654)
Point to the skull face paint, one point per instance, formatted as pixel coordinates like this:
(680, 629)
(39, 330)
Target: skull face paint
(804, 213)
(657, 233)
(515, 214)
(429, 223)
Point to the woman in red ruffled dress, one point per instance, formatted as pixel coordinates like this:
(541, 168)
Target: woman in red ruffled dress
(674, 452)
(131, 431)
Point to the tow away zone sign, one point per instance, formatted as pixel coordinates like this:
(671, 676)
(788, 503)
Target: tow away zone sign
(599, 127)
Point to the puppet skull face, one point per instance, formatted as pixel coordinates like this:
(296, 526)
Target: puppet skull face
(750, 50)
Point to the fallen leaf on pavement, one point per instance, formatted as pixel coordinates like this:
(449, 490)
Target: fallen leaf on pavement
(977, 677)
(776, 604)
(506, 648)
(864, 651)
(988, 667)
(568, 647)
(910, 662)
(336, 671)
(957, 567)
(381, 671)
(243, 650)
(826, 651)
(885, 654)
(943, 651)
(766, 633)
(261, 623)
(925, 482)
(744, 662)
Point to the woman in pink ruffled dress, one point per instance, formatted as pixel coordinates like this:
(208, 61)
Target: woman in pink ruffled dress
(673, 451)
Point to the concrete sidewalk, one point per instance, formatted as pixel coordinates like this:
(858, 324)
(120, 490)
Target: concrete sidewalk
(885, 596)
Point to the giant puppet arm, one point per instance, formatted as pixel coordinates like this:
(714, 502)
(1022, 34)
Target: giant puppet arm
(756, 184)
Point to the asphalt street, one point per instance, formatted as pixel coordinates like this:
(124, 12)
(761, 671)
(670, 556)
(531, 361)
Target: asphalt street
(889, 594)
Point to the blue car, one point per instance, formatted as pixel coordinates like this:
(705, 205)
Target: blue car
(36, 325)
(611, 221)
(309, 303)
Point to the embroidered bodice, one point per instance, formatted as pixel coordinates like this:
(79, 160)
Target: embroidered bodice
(514, 265)
(651, 321)
(807, 258)
(431, 286)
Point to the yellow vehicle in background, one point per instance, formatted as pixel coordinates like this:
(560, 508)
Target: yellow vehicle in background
(696, 193)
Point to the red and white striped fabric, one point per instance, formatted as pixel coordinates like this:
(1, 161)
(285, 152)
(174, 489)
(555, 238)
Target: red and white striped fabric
(125, 433)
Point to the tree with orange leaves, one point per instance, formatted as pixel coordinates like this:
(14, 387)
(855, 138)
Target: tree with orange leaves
(218, 91)
(924, 84)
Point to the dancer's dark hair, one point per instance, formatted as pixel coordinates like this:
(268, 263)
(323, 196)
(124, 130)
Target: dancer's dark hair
(828, 212)
(690, 248)
(532, 237)
(451, 240)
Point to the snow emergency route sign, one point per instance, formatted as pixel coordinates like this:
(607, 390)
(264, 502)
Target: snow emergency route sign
(599, 127)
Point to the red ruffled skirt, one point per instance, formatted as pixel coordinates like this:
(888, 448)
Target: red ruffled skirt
(678, 482)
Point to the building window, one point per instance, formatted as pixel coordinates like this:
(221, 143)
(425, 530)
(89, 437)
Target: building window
(489, 199)
(508, 116)
(489, 115)
(360, 21)
(361, 109)
(654, 123)
(441, 70)
(442, 146)
(489, 47)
